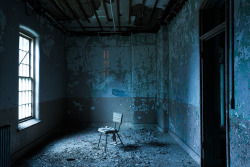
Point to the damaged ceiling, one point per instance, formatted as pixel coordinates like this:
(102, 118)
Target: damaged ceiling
(106, 16)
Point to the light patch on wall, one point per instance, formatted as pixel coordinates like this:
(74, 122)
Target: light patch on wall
(2, 27)
(48, 44)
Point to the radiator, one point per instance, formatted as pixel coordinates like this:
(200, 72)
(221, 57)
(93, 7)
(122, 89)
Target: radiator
(5, 146)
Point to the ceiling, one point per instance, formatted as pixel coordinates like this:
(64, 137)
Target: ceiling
(101, 16)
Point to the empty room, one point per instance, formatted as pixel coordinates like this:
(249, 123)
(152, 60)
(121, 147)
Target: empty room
(124, 83)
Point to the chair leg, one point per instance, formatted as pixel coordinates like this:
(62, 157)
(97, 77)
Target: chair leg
(100, 139)
(115, 140)
(120, 139)
(106, 142)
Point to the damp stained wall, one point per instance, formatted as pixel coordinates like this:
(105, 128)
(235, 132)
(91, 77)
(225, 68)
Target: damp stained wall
(162, 79)
(109, 74)
(239, 117)
(184, 75)
(52, 75)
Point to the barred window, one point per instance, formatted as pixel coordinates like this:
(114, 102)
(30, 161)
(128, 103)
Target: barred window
(26, 77)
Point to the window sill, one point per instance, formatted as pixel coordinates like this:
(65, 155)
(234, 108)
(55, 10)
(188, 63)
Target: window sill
(27, 124)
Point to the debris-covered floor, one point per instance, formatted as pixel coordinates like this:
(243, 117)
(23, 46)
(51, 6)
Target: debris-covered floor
(143, 147)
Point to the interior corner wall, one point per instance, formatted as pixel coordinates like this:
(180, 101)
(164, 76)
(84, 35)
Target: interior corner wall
(109, 74)
(184, 76)
(239, 117)
(52, 74)
(162, 79)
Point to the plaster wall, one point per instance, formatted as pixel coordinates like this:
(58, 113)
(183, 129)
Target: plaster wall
(184, 75)
(239, 117)
(162, 79)
(111, 74)
(51, 78)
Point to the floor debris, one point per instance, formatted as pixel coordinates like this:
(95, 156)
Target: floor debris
(144, 147)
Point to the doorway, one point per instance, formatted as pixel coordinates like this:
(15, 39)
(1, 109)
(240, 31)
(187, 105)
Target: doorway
(213, 88)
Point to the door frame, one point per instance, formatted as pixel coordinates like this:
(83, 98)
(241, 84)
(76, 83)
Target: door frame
(228, 27)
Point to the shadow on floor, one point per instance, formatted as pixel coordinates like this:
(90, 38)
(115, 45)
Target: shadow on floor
(131, 147)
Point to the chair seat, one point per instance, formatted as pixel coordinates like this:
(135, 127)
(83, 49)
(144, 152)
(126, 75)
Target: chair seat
(107, 130)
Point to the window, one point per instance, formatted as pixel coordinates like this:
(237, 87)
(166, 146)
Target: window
(26, 76)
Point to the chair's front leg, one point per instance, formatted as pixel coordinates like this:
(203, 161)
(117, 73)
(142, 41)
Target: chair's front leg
(100, 139)
(120, 139)
(106, 142)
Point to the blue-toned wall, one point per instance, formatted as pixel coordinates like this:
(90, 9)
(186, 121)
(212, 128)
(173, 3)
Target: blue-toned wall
(162, 79)
(239, 117)
(125, 81)
(52, 74)
(184, 75)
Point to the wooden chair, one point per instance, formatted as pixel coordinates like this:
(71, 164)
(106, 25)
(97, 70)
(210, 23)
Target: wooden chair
(117, 118)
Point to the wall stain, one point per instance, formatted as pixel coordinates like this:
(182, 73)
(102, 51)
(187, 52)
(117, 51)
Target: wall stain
(239, 117)
(113, 67)
(184, 80)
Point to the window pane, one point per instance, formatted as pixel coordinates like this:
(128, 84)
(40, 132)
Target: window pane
(29, 109)
(24, 70)
(26, 58)
(23, 43)
(25, 81)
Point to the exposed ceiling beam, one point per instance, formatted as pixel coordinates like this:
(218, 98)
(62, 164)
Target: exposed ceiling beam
(152, 14)
(173, 7)
(82, 10)
(94, 5)
(93, 8)
(175, 10)
(106, 11)
(141, 12)
(105, 33)
(129, 15)
(52, 19)
(118, 14)
(74, 14)
(60, 10)
(167, 10)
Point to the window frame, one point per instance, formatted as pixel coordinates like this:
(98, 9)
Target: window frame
(32, 40)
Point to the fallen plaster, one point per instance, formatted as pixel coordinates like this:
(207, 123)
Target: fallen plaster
(144, 147)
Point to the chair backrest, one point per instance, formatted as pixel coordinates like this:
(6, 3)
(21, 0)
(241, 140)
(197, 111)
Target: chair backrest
(117, 118)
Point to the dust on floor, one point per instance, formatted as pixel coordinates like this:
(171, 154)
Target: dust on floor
(144, 147)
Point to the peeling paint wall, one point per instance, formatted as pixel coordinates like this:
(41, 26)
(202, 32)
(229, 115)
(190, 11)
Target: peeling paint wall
(162, 78)
(144, 55)
(239, 117)
(112, 73)
(52, 75)
(184, 76)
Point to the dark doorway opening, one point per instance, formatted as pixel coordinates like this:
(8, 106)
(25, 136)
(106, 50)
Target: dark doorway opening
(213, 87)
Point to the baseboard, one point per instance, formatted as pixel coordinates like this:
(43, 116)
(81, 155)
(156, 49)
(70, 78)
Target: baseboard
(163, 130)
(185, 147)
(20, 153)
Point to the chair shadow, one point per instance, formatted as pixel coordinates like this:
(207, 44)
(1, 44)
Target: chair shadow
(131, 147)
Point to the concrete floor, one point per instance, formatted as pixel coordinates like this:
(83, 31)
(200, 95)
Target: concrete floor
(143, 147)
